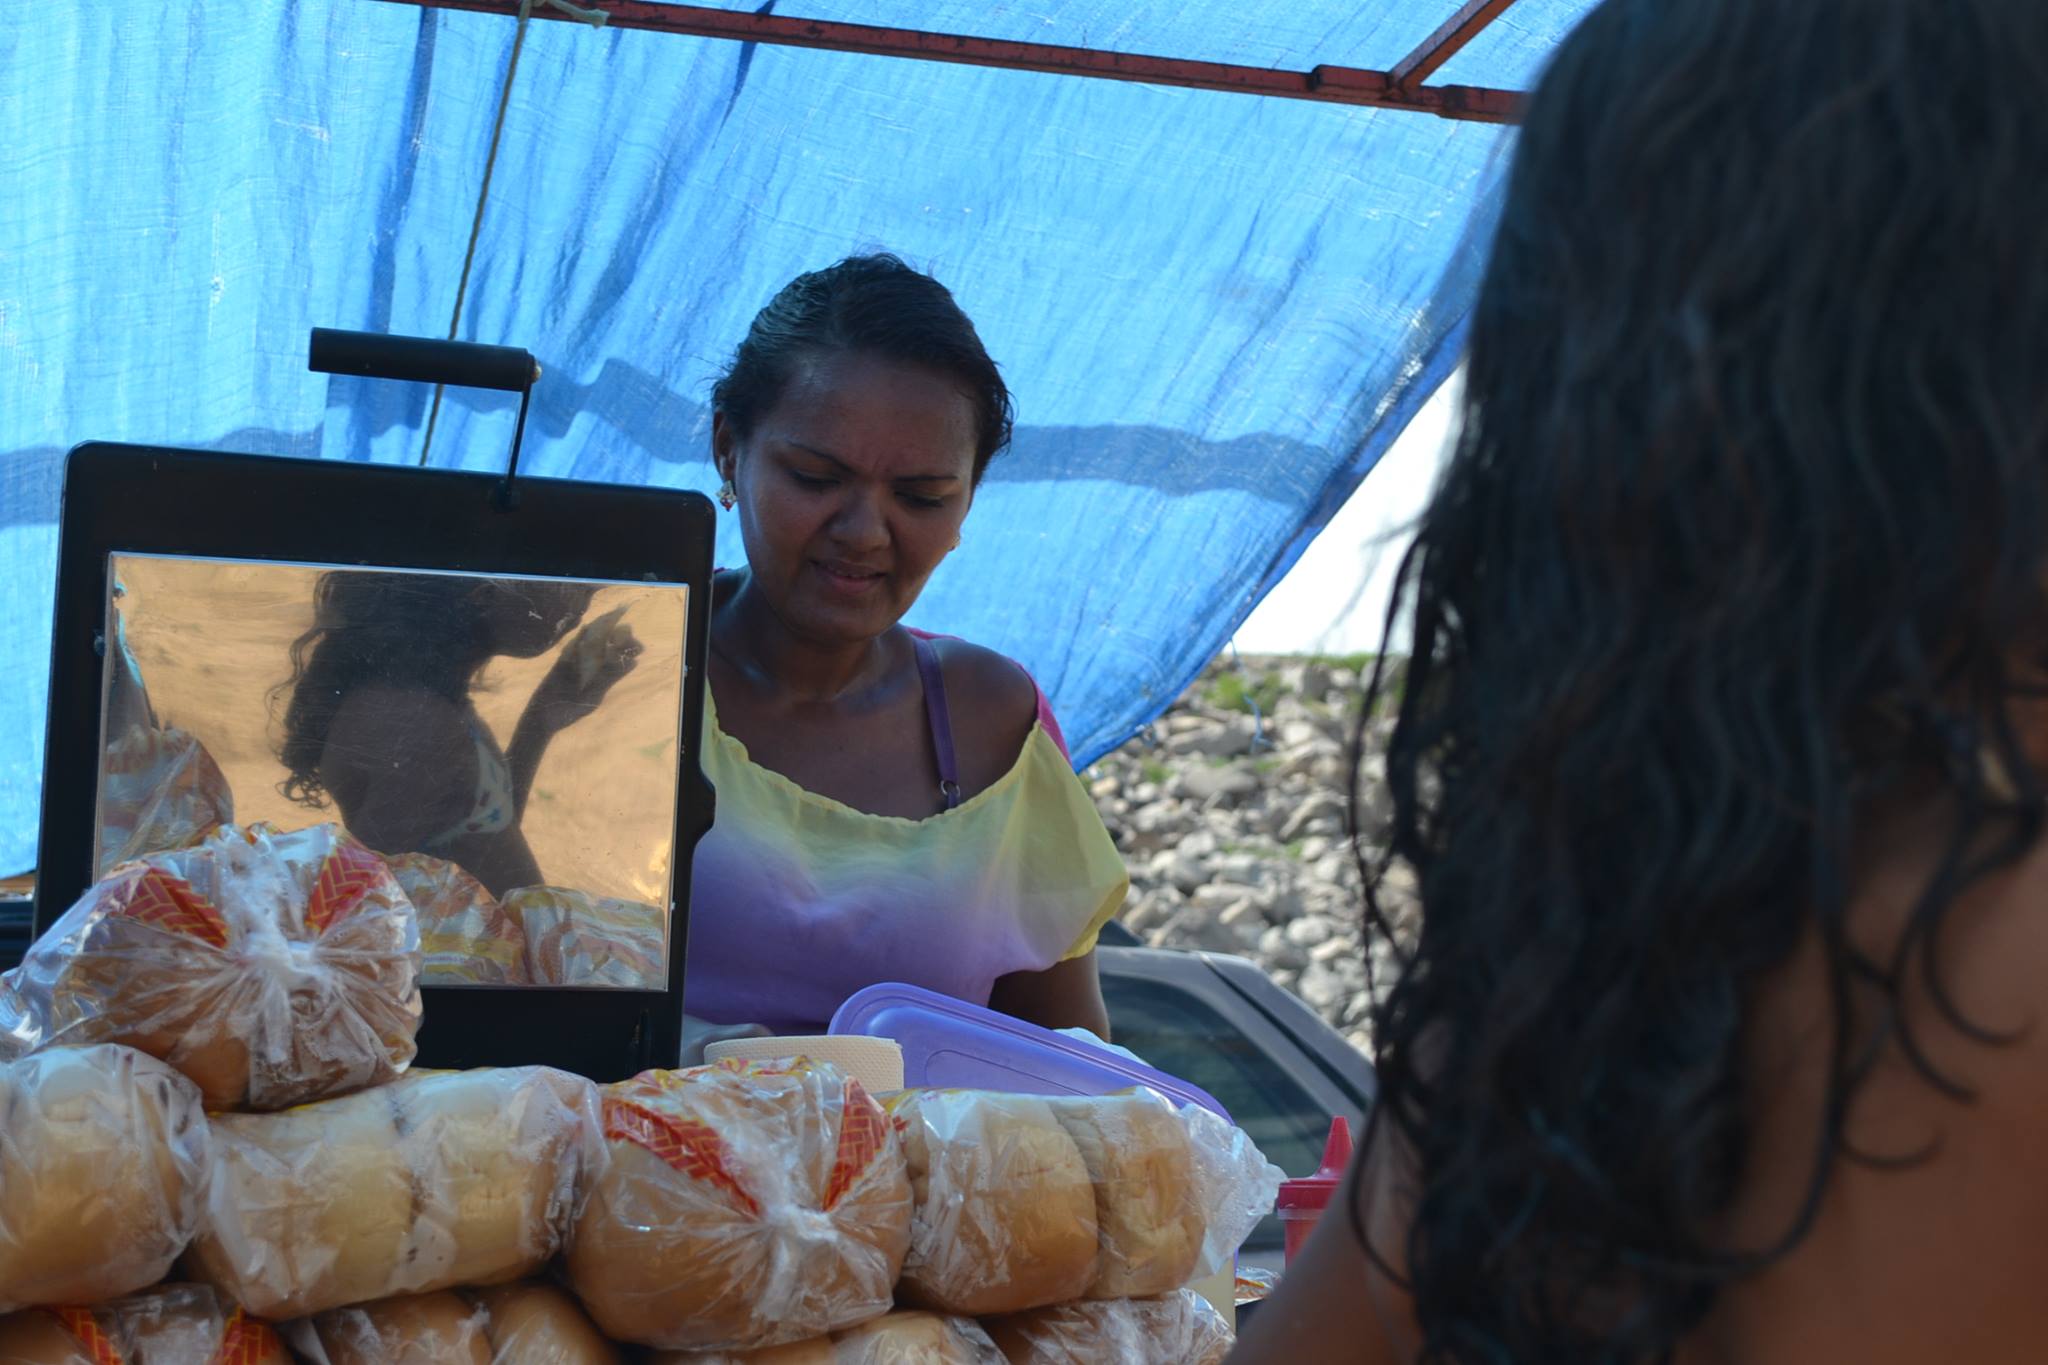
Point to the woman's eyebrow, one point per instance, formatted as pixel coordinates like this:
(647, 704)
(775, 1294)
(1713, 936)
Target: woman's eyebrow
(829, 458)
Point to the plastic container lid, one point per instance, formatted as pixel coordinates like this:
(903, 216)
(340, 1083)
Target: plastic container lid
(950, 1044)
(1312, 1192)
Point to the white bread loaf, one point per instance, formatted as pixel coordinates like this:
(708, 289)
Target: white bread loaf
(272, 968)
(538, 1324)
(102, 1159)
(437, 1180)
(911, 1338)
(1148, 1205)
(1004, 1217)
(745, 1205)
(1172, 1329)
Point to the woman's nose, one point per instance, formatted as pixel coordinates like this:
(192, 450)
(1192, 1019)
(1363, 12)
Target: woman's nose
(861, 522)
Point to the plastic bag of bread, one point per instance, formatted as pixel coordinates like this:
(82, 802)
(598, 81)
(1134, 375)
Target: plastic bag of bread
(744, 1205)
(160, 790)
(1004, 1216)
(102, 1163)
(1234, 1183)
(520, 1324)
(272, 968)
(466, 937)
(437, 1180)
(181, 1324)
(576, 939)
(907, 1338)
(1173, 1329)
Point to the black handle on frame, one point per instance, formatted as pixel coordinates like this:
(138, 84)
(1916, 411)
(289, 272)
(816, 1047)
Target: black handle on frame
(461, 364)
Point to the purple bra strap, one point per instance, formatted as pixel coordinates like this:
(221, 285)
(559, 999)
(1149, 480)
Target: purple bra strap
(942, 721)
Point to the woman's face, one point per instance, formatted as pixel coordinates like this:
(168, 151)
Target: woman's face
(851, 490)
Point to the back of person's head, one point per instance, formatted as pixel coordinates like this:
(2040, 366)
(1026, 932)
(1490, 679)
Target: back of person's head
(394, 629)
(1742, 540)
(875, 305)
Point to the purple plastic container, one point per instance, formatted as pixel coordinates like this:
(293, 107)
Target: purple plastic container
(950, 1044)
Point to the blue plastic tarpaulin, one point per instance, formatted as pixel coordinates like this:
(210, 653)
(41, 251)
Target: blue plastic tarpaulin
(1215, 310)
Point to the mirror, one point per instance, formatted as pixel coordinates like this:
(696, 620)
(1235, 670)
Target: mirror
(509, 744)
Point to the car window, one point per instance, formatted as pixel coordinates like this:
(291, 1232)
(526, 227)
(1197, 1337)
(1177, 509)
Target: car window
(1179, 1034)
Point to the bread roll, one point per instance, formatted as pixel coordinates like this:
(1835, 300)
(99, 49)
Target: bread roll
(102, 1160)
(745, 1205)
(1004, 1212)
(538, 1324)
(171, 1325)
(1174, 1329)
(308, 1209)
(497, 1157)
(272, 968)
(466, 937)
(418, 1329)
(438, 1180)
(916, 1339)
(1147, 1205)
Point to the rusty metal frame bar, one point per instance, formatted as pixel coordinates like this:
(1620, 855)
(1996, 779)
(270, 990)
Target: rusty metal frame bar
(1326, 84)
(1461, 28)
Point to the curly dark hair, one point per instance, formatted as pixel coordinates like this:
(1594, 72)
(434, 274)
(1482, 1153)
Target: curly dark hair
(1741, 541)
(875, 304)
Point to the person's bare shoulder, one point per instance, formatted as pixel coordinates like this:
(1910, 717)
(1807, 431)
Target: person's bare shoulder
(993, 705)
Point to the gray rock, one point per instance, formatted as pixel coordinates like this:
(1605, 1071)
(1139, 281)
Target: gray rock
(1246, 868)
(1310, 930)
(1278, 952)
(1321, 814)
(1322, 988)
(1220, 896)
(1227, 785)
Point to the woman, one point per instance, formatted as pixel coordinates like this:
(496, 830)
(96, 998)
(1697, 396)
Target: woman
(380, 721)
(1719, 756)
(891, 807)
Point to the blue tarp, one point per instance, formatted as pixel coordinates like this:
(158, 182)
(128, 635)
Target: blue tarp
(1216, 311)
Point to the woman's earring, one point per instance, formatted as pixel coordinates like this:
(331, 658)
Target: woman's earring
(726, 496)
(956, 542)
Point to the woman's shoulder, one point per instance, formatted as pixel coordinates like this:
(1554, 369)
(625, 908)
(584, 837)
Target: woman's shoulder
(994, 703)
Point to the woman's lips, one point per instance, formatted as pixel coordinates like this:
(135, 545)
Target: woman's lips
(851, 580)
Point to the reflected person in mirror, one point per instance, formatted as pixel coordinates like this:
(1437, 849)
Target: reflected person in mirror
(381, 722)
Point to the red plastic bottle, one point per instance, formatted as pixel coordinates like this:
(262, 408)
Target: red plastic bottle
(1302, 1201)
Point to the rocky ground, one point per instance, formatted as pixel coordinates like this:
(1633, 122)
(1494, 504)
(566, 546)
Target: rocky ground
(1230, 811)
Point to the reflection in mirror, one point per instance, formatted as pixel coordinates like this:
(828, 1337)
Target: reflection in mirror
(508, 744)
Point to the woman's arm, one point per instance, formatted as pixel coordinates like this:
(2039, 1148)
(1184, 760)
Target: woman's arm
(1334, 1306)
(1065, 995)
(601, 653)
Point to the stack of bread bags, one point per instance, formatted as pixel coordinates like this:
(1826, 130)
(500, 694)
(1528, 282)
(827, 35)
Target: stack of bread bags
(210, 1080)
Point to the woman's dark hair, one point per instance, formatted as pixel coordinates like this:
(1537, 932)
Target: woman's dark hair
(1740, 544)
(407, 630)
(878, 305)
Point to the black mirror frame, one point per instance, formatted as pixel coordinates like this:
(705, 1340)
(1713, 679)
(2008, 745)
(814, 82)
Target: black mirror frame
(162, 500)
